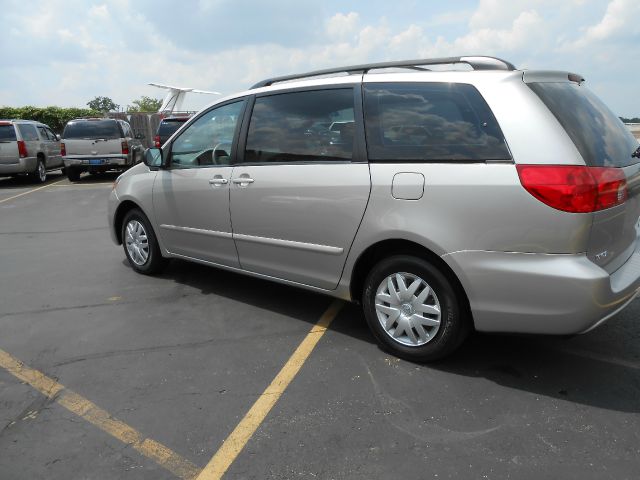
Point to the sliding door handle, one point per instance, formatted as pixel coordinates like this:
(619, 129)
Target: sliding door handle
(218, 181)
(242, 180)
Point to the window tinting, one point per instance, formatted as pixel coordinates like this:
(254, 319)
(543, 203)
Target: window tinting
(7, 133)
(302, 127)
(28, 132)
(209, 140)
(90, 129)
(430, 122)
(43, 133)
(168, 127)
(600, 136)
(126, 129)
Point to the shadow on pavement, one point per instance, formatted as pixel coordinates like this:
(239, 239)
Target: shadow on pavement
(539, 365)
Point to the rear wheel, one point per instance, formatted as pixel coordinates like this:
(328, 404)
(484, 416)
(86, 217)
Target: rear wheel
(140, 244)
(73, 174)
(40, 174)
(413, 309)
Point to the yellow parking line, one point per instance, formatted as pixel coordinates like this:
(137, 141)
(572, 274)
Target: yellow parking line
(237, 440)
(95, 415)
(31, 191)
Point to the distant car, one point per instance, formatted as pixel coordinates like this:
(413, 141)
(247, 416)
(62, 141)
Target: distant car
(168, 126)
(96, 145)
(28, 147)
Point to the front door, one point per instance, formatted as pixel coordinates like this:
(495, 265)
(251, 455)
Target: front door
(191, 197)
(298, 194)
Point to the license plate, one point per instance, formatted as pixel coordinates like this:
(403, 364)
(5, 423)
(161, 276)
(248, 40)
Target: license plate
(96, 161)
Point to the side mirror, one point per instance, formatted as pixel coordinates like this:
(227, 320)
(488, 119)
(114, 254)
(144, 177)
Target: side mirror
(153, 158)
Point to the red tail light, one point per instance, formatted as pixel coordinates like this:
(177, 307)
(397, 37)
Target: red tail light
(22, 149)
(577, 189)
(125, 147)
(63, 149)
(156, 139)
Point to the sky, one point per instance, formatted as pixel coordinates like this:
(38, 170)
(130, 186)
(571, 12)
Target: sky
(66, 52)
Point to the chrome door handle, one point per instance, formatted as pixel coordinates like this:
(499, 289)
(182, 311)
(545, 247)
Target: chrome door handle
(218, 181)
(241, 180)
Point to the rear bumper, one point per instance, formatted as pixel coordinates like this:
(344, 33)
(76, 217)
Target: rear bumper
(86, 162)
(23, 165)
(542, 293)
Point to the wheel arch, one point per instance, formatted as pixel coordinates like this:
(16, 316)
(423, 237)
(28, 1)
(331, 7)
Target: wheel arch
(125, 207)
(386, 248)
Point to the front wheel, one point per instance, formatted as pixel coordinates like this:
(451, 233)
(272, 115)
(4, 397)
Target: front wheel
(413, 309)
(140, 244)
(73, 174)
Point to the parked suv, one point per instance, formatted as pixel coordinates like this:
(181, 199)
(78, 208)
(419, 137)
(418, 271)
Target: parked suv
(96, 145)
(494, 199)
(167, 127)
(28, 147)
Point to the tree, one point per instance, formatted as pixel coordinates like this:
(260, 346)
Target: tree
(145, 104)
(103, 104)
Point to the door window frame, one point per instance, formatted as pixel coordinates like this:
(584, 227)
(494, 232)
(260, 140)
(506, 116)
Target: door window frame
(195, 118)
(359, 148)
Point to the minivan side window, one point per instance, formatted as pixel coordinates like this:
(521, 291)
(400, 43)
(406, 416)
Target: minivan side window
(310, 126)
(209, 140)
(430, 122)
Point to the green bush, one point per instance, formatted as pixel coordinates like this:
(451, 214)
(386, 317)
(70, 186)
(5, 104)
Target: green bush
(55, 117)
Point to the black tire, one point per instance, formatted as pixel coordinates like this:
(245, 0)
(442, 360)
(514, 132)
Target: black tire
(73, 174)
(454, 322)
(154, 261)
(40, 173)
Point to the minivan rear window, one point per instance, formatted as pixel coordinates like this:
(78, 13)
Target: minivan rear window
(7, 133)
(107, 129)
(430, 122)
(598, 134)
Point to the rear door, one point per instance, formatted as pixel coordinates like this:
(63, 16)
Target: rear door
(603, 141)
(55, 149)
(8, 144)
(300, 190)
(51, 147)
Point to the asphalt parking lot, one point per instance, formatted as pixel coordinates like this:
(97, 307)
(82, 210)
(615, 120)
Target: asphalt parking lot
(106, 374)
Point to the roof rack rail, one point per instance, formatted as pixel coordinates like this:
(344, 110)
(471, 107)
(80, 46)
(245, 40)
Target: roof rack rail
(477, 63)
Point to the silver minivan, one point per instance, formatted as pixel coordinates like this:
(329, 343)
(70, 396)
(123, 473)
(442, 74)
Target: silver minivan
(28, 147)
(441, 199)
